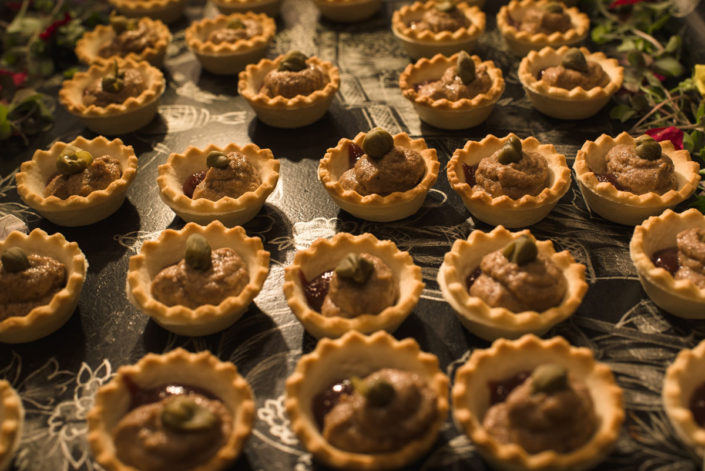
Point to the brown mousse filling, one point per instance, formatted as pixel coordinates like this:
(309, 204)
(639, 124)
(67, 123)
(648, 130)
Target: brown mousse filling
(465, 79)
(575, 71)
(441, 19)
(130, 36)
(629, 171)
(548, 19)
(294, 76)
(230, 175)
(97, 175)
(235, 31)
(114, 88)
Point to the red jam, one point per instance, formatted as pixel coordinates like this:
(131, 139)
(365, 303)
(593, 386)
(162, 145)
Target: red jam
(142, 396)
(697, 405)
(354, 153)
(469, 172)
(667, 259)
(470, 280)
(499, 390)
(192, 182)
(316, 289)
(609, 178)
(325, 401)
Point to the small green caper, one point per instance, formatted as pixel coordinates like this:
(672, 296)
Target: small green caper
(575, 59)
(293, 61)
(508, 154)
(112, 84)
(236, 24)
(73, 161)
(549, 378)
(355, 268)
(377, 143)
(553, 7)
(379, 393)
(466, 67)
(648, 150)
(118, 23)
(644, 138)
(183, 414)
(515, 142)
(446, 6)
(198, 252)
(14, 260)
(521, 251)
(217, 159)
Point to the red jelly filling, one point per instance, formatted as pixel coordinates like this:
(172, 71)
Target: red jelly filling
(667, 259)
(192, 182)
(470, 280)
(609, 178)
(697, 405)
(499, 390)
(469, 172)
(354, 153)
(141, 396)
(324, 401)
(316, 289)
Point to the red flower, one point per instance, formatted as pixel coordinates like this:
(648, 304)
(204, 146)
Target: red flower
(619, 3)
(670, 133)
(18, 78)
(51, 29)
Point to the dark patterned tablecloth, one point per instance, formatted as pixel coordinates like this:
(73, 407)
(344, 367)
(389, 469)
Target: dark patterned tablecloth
(58, 376)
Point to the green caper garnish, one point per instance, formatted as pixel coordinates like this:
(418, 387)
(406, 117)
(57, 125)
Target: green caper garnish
(466, 67)
(293, 61)
(549, 378)
(118, 22)
(198, 252)
(515, 142)
(553, 7)
(236, 24)
(379, 393)
(649, 150)
(217, 159)
(377, 143)
(185, 415)
(508, 154)
(445, 6)
(574, 59)
(521, 251)
(72, 161)
(114, 83)
(644, 138)
(355, 268)
(14, 260)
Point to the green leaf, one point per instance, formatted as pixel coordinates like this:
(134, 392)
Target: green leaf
(627, 45)
(600, 33)
(669, 66)
(699, 203)
(5, 126)
(622, 113)
(673, 44)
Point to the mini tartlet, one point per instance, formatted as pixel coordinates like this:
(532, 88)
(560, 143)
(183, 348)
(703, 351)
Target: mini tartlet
(443, 113)
(324, 255)
(88, 47)
(506, 358)
(269, 7)
(560, 103)
(625, 207)
(167, 250)
(682, 298)
(521, 42)
(682, 378)
(357, 355)
(427, 43)
(282, 112)
(76, 210)
(200, 370)
(374, 207)
(43, 320)
(229, 58)
(504, 210)
(12, 421)
(116, 118)
(491, 323)
(348, 11)
(230, 211)
(163, 10)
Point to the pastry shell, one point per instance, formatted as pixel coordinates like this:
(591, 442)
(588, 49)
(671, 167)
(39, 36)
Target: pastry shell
(521, 42)
(76, 210)
(202, 370)
(682, 298)
(167, 11)
(229, 58)
(560, 103)
(88, 47)
(324, 255)
(682, 378)
(506, 358)
(427, 43)
(12, 421)
(269, 7)
(625, 207)
(375, 207)
(348, 11)
(491, 323)
(230, 211)
(282, 112)
(116, 118)
(43, 320)
(358, 355)
(443, 113)
(504, 210)
(168, 249)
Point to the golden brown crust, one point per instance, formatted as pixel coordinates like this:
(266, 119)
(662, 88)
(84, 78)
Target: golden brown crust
(443, 113)
(324, 255)
(359, 355)
(76, 210)
(270, 7)
(230, 211)
(493, 322)
(201, 370)
(682, 298)
(374, 207)
(504, 359)
(90, 43)
(504, 210)
(12, 420)
(625, 207)
(348, 11)
(164, 10)
(521, 42)
(43, 320)
(168, 249)
(557, 102)
(279, 111)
